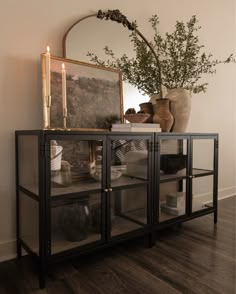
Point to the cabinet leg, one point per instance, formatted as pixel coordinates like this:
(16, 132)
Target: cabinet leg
(42, 282)
(149, 240)
(42, 278)
(215, 217)
(42, 274)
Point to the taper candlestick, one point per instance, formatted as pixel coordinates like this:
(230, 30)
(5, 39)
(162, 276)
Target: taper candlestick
(48, 111)
(64, 117)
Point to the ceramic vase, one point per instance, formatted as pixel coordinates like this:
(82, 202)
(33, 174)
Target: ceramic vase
(163, 115)
(181, 108)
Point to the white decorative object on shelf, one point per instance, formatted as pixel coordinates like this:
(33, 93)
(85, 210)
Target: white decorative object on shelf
(172, 210)
(176, 199)
(56, 154)
(96, 172)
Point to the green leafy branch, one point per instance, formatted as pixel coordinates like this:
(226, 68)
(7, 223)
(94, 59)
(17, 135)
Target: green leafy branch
(174, 61)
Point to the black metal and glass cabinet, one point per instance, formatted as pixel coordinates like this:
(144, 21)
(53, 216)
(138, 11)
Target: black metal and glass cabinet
(78, 191)
(186, 177)
(81, 191)
(60, 200)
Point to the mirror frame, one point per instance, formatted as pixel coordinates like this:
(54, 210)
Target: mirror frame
(70, 28)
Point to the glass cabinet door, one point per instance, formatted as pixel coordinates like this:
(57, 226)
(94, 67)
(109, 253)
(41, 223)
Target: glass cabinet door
(76, 166)
(77, 177)
(128, 182)
(172, 173)
(76, 222)
(202, 173)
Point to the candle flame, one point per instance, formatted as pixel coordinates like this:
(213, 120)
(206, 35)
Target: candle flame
(63, 65)
(48, 49)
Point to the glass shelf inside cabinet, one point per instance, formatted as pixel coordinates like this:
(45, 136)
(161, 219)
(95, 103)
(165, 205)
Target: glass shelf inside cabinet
(129, 162)
(126, 180)
(169, 177)
(198, 171)
(76, 166)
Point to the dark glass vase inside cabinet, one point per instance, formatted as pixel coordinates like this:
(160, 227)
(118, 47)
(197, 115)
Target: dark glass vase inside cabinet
(129, 169)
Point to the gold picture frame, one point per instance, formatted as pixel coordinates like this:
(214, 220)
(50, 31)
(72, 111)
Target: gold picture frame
(93, 93)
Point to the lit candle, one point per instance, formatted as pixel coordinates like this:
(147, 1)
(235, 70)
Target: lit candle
(63, 79)
(48, 74)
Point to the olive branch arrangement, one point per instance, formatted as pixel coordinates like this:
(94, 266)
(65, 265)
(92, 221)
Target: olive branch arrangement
(173, 61)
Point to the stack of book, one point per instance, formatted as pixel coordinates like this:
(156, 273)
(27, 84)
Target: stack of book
(136, 127)
(174, 204)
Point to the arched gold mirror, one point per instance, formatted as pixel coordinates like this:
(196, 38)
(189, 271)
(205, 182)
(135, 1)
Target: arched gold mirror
(90, 34)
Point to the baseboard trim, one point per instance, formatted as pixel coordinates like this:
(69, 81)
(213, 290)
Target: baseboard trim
(225, 193)
(8, 249)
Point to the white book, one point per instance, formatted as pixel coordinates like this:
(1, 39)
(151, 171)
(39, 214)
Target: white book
(177, 194)
(176, 199)
(120, 125)
(120, 129)
(172, 210)
(155, 129)
(136, 125)
(133, 129)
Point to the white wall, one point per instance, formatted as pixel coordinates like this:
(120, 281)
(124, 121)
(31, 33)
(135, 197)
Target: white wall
(27, 26)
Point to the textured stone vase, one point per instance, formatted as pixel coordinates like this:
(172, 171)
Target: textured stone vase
(162, 114)
(181, 102)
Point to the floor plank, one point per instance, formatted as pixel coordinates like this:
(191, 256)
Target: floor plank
(196, 257)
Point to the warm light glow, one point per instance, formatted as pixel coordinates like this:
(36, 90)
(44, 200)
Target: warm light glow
(63, 79)
(48, 73)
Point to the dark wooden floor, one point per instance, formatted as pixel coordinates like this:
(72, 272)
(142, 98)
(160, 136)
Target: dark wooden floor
(195, 258)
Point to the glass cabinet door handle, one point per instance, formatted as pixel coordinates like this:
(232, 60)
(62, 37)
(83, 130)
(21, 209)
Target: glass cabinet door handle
(192, 177)
(108, 190)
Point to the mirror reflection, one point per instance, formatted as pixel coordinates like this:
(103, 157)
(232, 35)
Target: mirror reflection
(91, 35)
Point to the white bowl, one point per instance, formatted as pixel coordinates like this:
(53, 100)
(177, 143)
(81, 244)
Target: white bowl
(96, 174)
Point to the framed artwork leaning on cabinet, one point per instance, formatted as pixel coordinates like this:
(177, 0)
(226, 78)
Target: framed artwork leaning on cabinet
(92, 94)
